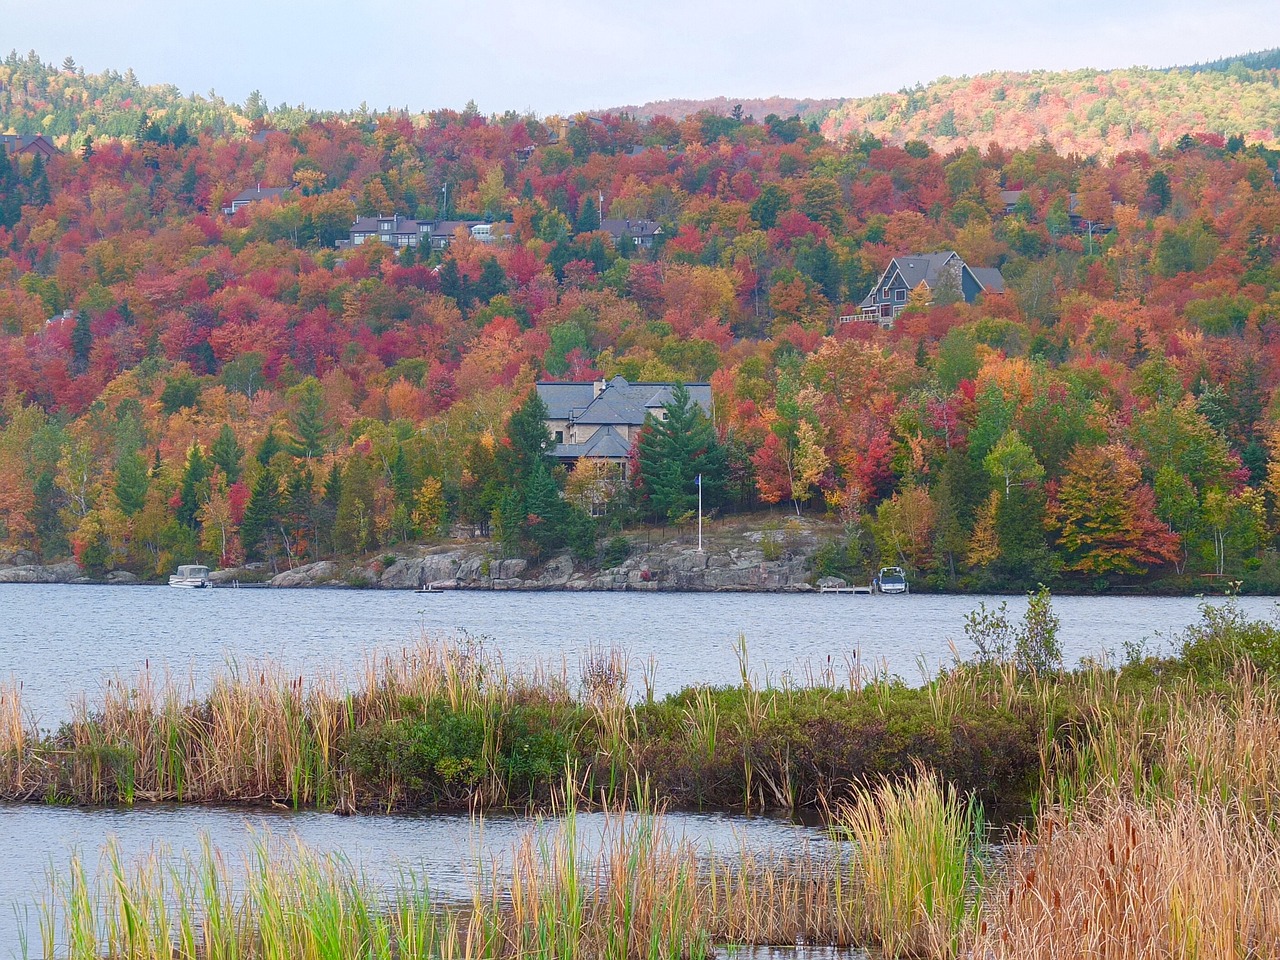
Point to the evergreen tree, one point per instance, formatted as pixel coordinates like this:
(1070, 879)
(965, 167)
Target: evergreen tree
(529, 441)
(298, 510)
(81, 343)
(492, 280)
(403, 483)
(194, 478)
(588, 216)
(269, 447)
(674, 451)
(546, 513)
(353, 530)
(309, 418)
(131, 483)
(259, 531)
(227, 453)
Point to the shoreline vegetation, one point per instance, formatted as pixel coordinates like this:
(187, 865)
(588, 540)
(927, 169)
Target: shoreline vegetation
(1150, 833)
(1150, 791)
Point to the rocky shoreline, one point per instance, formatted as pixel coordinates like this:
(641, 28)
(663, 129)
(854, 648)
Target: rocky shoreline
(759, 563)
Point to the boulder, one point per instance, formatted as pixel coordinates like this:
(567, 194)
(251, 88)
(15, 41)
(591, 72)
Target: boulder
(507, 569)
(122, 577)
(832, 582)
(63, 572)
(308, 575)
(557, 572)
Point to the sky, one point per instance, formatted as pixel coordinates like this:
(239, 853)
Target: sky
(562, 56)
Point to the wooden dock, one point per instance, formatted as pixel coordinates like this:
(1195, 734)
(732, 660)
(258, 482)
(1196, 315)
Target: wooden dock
(854, 589)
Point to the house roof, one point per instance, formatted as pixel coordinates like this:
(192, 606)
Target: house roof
(923, 268)
(605, 443)
(630, 228)
(402, 226)
(20, 143)
(992, 279)
(619, 402)
(258, 193)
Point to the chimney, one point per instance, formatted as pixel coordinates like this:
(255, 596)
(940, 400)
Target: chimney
(599, 387)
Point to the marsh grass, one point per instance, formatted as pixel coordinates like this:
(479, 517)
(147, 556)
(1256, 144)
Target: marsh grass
(640, 894)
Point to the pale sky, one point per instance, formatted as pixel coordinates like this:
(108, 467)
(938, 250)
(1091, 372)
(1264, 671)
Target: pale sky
(560, 56)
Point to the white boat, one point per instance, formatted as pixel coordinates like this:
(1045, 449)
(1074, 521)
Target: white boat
(191, 576)
(891, 580)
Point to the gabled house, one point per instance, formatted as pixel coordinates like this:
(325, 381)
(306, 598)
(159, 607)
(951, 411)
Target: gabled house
(642, 233)
(15, 144)
(929, 272)
(252, 195)
(600, 420)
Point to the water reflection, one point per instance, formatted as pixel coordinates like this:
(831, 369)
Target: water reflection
(448, 851)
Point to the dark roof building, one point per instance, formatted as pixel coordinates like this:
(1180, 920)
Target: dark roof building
(15, 144)
(640, 232)
(393, 230)
(601, 420)
(929, 272)
(252, 195)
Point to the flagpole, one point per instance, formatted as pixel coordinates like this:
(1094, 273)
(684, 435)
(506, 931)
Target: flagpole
(700, 513)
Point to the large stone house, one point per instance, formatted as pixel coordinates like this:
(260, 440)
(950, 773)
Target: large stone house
(600, 420)
(928, 272)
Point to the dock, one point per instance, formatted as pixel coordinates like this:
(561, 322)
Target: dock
(854, 589)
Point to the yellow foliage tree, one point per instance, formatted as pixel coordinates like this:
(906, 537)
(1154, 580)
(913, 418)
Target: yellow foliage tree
(429, 507)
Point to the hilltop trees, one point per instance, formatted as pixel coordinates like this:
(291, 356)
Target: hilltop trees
(231, 387)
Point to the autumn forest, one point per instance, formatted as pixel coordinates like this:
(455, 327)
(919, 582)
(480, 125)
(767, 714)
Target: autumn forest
(182, 385)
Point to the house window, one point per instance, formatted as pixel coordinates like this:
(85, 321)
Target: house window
(884, 294)
(900, 296)
(662, 414)
(559, 436)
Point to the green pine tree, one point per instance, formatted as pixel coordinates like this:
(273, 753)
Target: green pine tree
(227, 453)
(131, 482)
(194, 479)
(674, 452)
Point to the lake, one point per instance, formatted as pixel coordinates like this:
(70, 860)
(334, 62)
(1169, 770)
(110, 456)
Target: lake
(448, 850)
(62, 640)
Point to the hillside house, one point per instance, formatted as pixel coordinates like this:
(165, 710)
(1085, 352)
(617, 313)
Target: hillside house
(642, 233)
(930, 272)
(601, 420)
(393, 230)
(442, 232)
(16, 145)
(252, 195)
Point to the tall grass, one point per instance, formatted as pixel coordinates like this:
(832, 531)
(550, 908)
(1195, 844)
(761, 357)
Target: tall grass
(1124, 881)
(916, 858)
(642, 895)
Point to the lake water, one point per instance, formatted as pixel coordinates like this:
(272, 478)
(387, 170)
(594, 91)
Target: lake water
(61, 641)
(449, 851)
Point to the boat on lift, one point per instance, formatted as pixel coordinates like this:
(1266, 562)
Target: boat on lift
(892, 580)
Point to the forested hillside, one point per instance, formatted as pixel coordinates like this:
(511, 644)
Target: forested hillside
(1089, 112)
(176, 383)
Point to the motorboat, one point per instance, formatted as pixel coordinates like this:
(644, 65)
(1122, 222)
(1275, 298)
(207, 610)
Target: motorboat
(191, 576)
(891, 580)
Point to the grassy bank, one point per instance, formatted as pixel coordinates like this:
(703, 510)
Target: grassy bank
(1155, 790)
(446, 726)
